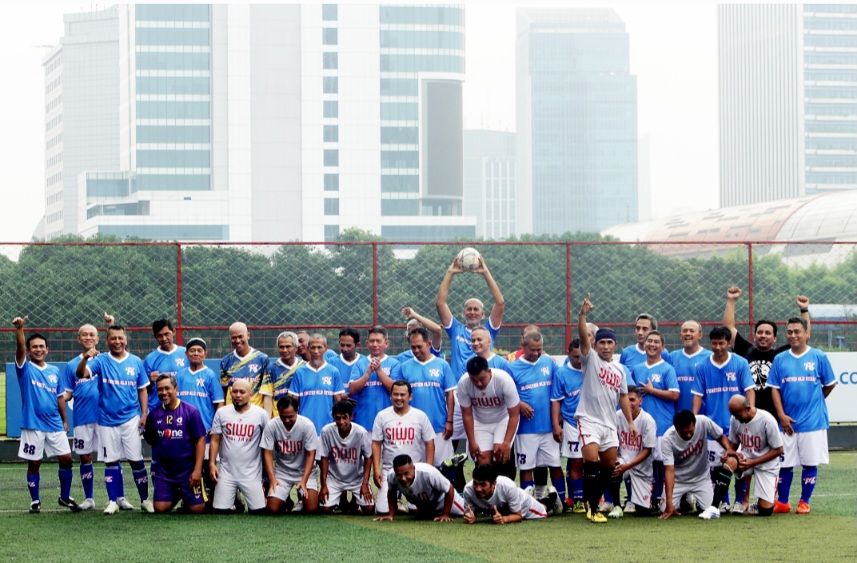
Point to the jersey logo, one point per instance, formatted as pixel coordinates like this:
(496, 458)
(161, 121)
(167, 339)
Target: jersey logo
(731, 376)
(53, 379)
(327, 380)
(130, 371)
(254, 368)
(180, 362)
(656, 378)
(809, 366)
(434, 372)
(545, 370)
(200, 382)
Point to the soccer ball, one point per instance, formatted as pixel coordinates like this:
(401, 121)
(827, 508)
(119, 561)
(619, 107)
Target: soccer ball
(468, 259)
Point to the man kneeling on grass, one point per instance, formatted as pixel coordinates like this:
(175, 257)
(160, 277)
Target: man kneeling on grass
(499, 497)
(425, 487)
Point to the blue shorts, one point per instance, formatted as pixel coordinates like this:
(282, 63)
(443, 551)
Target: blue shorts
(172, 490)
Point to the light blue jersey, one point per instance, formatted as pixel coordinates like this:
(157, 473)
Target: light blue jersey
(403, 357)
(316, 389)
(40, 387)
(330, 356)
(497, 362)
(374, 397)
(800, 380)
(165, 363)
(118, 382)
(685, 372)
(346, 368)
(633, 355)
(84, 393)
(430, 381)
(202, 390)
(717, 383)
(662, 375)
(534, 381)
(566, 389)
(460, 346)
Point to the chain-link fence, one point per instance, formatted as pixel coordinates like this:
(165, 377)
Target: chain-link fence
(273, 287)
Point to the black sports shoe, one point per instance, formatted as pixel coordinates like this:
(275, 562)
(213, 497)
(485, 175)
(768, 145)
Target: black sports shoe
(35, 507)
(69, 503)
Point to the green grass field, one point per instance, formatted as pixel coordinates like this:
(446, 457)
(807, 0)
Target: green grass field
(828, 534)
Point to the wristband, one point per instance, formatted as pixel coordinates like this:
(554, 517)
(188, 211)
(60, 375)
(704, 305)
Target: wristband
(804, 310)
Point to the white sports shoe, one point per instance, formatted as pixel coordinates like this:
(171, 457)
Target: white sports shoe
(724, 508)
(530, 490)
(630, 508)
(124, 504)
(605, 507)
(111, 508)
(147, 506)
(710, 513)
(617, 512)
(752, 510)
(738, 509)
(88, 504)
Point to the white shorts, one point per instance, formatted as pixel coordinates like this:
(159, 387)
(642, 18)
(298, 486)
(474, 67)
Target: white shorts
(227, 486)
(36, 444)
(703, 490)
(489, 434)
(458, 432)
(641, 488)
(121, 442)
(764, 482)
(715, 452)
(335, 489)
(805, 448)
(571, 441)
(442, 449)
(381, 504)
(536, 450)
(284, 487)
(86, 439)
(594, 433)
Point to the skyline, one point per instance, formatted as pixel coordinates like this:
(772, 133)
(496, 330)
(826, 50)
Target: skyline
(671, 104)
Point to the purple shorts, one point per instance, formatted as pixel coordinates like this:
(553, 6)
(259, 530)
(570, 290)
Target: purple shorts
(174, 489)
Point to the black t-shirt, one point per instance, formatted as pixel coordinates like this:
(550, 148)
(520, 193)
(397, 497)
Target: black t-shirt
(760, 364)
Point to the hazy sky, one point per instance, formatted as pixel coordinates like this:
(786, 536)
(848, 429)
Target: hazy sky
(673, 55)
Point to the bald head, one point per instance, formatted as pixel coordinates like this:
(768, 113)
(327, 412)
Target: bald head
(738, 403)
(239, 337)
(87, 336)
(241, 393)
(241, 384)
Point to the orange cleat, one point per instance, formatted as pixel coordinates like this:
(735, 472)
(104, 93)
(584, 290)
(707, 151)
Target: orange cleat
(803, 508)
(782, 507)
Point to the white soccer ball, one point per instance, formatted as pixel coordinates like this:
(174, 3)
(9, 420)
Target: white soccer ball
(468, 259)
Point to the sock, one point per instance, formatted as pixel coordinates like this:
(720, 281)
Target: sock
(605, 478)
(722, 478)
(541, 491)
(141, 479)
(112, 479)
(658, 481)
(591, 490)
(527, 483)
(65, 474)
(87, 479)
(33, 486)
(120, 485)
(608, 495)
(784, 484)
(577, 489)
(627, 491)
(808, 477)
(559, 485)
(741, 488)
(615, 489)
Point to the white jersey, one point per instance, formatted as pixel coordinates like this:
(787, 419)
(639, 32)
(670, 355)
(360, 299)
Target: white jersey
(290, 447)
(507, 497)
(603, 383)
(757, 437)
(345, 456)
(646, 438)
(690, 457)
(427, 492)
(490, 405)
(240, 435)
(405, 434)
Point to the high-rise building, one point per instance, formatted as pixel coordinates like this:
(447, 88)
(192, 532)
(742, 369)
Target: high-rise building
(577, 121)
(788, 100)
(489, 182)
(284, 122)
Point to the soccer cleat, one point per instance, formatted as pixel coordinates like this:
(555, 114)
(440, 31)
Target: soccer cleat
(35, 507)
(455, 461)
(782, 507)
(88, 504)
(605, 507)
(617, 512)
(739, 509)
(803, 508)
(69, 503)
(147, 506)
(710, 513)
(111, 508)
(123, 504)
(557, 504)
(579, 507)
(530, 490)
(752, 510)
(630, 508)
(597, 518)
(569, 504)
(724, 508)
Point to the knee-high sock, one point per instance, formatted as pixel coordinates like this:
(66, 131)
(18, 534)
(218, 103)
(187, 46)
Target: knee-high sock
(592, 488)
(33, 486)
(807, 479)
(87, 479)
(784, 484)
(112, 479)
(141, 479)
(741, 488)
(658, 480)
(722, 478)
(615, 488)
(559, 485)
(64, 474)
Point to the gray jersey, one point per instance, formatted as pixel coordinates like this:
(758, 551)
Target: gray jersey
(345, 456)
(427, 492)
(646, 438)
(757, 437)
(240, 435)
(507, 497)
(290, 447)
(490, 405)
(406, 434)
(690, 457)
(603, 383)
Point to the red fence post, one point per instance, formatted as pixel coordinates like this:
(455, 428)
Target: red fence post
(750, 287)
(374, 283)
(179, 329)
(568, 330)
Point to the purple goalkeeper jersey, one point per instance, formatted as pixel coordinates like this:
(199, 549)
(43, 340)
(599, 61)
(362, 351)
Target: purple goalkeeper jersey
(173, 435)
